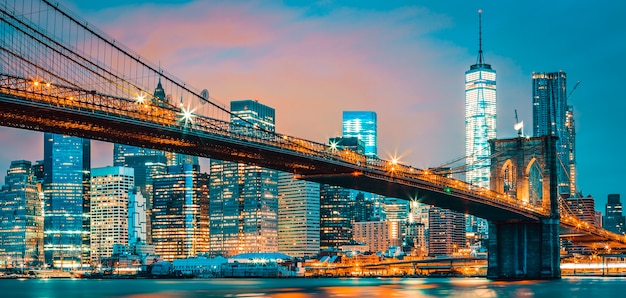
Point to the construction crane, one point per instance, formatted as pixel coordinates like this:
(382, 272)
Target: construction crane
(570, 93)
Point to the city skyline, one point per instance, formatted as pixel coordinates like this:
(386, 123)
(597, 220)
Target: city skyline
(321, 59)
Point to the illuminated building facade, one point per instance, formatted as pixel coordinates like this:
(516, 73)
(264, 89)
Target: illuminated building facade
(244, 198)
(66, 201)
(377, 235)
(180, 212)
(362, 125)
(552, 116)
(446, 231)
(298, 216)
(613, 217)
(21, 218)
(480, 126)
(110, 187)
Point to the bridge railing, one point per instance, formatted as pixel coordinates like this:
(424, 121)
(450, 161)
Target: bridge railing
(174, 118)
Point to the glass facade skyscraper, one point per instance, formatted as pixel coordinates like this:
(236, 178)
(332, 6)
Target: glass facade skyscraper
(480, 126)
(21, 218)
(244, 198)
(613, 217)
(180, 212)
(362, 124)
(67, 164)
(110, 187)
(553, 117)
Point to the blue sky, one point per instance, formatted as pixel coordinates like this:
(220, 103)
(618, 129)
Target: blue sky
(403, 59)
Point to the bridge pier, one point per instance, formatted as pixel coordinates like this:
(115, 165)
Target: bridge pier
(524, 250)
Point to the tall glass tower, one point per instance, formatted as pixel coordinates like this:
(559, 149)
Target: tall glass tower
(553, 117)
(480, 117)
(480, 125)
(362, 124)
(67, 164)
(244, 198)
(21, 218)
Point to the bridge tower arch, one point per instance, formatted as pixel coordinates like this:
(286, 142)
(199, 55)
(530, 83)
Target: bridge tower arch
(525, 168)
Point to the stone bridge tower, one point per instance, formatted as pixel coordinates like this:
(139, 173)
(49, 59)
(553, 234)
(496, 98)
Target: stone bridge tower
(525, 168)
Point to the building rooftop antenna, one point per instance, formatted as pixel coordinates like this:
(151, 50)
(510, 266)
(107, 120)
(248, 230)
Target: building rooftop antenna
(481, 59)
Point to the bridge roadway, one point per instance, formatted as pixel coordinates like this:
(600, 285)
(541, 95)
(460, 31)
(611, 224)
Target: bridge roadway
(31, 105)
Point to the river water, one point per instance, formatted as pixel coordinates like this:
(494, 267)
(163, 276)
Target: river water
(587, 287)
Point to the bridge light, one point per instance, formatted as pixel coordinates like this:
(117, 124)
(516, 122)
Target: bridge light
(447, 189)
(187, 114)
(394, 161)
(140, 98)
(35, 83)
(48, 84)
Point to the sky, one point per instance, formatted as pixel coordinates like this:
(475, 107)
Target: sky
(405, 60)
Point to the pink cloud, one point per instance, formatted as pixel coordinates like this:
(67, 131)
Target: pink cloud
(311, 69)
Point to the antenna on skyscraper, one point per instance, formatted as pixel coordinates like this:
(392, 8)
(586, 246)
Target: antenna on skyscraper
(480, 38)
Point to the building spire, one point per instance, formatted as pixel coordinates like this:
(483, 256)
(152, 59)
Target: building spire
(481, 59)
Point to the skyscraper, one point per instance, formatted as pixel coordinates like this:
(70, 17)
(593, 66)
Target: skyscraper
(613, 216)
(446, 231)
(21, 218)
(362, 124)
(67, 163)
(180, 212)
(552, 116)
(480, 117)
(110, 187)
(480, 124)
(244, 198)
(137, 217)
(298, 216)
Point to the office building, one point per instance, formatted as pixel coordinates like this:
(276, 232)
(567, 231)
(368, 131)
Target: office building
(552, 116)
(66, 201)
(336, 215)
(244, 198)
(480, 124)
(21, 218)
(362, 125)
(583, 208)
(298, 216)
(378, 236)
(110, 187)
(446, 232)
(613, 216)
(180, 212)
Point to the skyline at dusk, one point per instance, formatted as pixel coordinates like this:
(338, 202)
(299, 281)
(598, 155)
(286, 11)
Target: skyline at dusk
(404, 61)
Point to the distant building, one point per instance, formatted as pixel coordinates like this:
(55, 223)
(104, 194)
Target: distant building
(480, 126)
(552, 116)
(613, 216)
(137, 217)
(109, 209)
(446, 231)
(336, 216)
(21, 218)
(583, 209)
(378, 235)
(180, 212)
(244, 198)
(362, 125)
(396, 209)
(298, 216)
(67, 164)
(414, 241)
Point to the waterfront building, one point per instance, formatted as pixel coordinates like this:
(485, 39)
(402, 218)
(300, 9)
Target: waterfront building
(362, 125)
(480, 124)
(552, 116)
(21, 218)
(244, 198)
(414, 239)
(377, 235)
(67, 164)
(613, 216)
(446, 232)
(180, 212)
(110, 187)
(298, 216)
(396, 209)
(336, 216)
